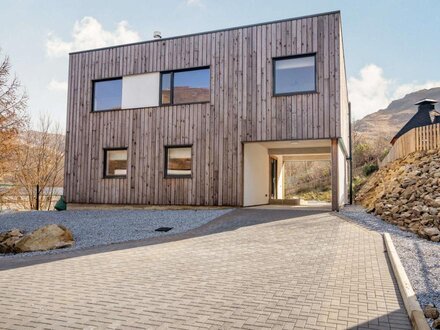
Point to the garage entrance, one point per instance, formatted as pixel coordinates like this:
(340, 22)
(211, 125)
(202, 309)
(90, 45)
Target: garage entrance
(268, 173)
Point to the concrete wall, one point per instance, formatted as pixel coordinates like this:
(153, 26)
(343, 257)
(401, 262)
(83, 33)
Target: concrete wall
(140, 90)
(256, 175)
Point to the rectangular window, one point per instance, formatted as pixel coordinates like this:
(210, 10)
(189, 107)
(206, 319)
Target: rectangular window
(115, 161)
(107, 94)
(185, 86)
(294, 75)
(178, 161)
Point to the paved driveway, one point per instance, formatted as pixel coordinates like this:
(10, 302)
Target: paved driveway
(248, 269)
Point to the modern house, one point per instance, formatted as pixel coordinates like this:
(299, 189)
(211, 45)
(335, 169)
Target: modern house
(208, 118)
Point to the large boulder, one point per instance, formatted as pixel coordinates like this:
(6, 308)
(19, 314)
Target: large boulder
(45, 238)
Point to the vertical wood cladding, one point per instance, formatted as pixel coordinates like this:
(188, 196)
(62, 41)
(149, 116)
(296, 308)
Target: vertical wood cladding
(242, 109)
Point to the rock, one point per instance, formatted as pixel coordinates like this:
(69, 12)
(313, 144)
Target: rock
(435, 238)
(436, 324)
(45, 238)
(431, 311)
(432, 231)
(8, 240)
(10, 233)
(406, 193)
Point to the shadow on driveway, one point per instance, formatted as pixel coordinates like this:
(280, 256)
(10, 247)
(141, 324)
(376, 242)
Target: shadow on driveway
(236, 219)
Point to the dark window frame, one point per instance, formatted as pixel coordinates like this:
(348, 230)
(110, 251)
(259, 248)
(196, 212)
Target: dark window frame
(161, 104)
(274, 74)
(105, 176)
(94, 81)
(177, 176)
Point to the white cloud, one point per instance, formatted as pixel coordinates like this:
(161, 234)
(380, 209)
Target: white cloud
(404, 89)
(88, 33)
(369, 92)
(56, 85)
(372, 91)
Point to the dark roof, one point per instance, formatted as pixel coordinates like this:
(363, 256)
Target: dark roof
(421, 118)
(426, 101)
(436, 119)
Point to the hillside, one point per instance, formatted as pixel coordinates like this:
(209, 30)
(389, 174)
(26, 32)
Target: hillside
(387, 122)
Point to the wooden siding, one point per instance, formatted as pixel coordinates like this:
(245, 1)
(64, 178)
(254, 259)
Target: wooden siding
(242, 109)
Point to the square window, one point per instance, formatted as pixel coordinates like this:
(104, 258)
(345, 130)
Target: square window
(185, 86)
(178, 161)
(107, 94)
(294, 75)
(191, 86)
(115, 162)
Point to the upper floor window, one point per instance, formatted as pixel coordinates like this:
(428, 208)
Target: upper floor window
(107, 94)
(185, 86)
(294, 75)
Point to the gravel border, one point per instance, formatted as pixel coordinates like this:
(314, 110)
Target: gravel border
(92, 228)
(420, 257)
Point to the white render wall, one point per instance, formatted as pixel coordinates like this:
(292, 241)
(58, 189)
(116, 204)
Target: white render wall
(342, 177)
(140, 90)
(280, 178)
(256, 175)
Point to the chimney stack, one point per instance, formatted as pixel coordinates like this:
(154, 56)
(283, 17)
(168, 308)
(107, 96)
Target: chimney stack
(426, 104)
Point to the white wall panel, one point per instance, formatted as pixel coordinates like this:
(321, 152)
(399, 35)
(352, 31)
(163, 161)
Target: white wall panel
(342, 177)
(140, 91)
(256, 174)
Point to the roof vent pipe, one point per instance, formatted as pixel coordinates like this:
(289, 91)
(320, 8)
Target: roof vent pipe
(157, 35)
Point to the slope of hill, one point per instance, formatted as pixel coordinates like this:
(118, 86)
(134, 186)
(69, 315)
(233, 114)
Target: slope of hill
(387, 122)
(406, 193)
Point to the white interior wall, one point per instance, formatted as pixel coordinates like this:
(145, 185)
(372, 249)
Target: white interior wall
(342, 177)
(256, 175)
(139, 91)
(280, 178)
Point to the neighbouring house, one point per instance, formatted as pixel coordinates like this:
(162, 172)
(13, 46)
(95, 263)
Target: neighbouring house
(208, 118)
(425, 115)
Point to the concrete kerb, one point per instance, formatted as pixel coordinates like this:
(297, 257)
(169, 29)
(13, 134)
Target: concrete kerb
(412, 306)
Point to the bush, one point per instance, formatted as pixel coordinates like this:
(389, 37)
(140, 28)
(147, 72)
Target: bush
(369, 169)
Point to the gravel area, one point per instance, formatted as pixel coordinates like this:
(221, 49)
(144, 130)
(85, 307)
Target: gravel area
(96, 227)
(420, 257)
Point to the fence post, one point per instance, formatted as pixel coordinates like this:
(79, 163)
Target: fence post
(37, 205)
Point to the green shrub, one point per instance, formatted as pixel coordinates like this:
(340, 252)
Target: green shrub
(369, 169)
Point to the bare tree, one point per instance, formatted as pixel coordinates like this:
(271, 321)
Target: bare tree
(40, 161)
(13, 113)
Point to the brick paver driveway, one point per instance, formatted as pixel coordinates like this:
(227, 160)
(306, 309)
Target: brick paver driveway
(249, 269)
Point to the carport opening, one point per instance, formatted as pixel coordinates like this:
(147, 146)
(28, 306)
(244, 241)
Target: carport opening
(296, 173)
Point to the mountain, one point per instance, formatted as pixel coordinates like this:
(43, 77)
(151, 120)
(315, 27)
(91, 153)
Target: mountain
(387, 122)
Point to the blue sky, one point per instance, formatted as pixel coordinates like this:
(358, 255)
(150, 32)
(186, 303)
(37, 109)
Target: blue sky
(392, 47)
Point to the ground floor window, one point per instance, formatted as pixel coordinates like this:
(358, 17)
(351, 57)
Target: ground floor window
(178, 161)
(115, 162)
